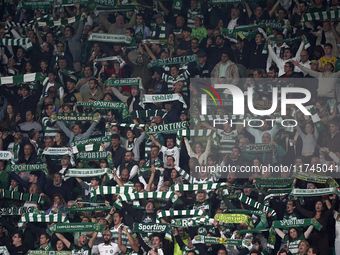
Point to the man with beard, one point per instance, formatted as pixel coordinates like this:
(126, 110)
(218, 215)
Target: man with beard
(108, 247)
(124, 178)
(114, 231)
(130, 164)
(81, 245)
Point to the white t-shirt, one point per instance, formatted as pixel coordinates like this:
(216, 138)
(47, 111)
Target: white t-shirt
(111, 249)
(174, 152)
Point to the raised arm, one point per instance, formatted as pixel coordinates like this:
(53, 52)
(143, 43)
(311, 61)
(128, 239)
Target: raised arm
(62, 126)
(91, 242)
(308, 231)
(64, 240)
(186, 176)
(280, 233)
(274, 8)
(122, 248)
(155, 141)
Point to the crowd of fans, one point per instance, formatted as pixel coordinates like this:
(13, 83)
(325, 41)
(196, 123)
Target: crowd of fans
(62, 71)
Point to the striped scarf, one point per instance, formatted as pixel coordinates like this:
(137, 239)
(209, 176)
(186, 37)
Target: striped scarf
(195, 133)
(162, 32)
(147, 114)
(35, 217)
(247, 200)
(326, 15)
(109, 190)
(194, 187)
(4, 251)
(22, 78)
(17, 42)
(22, 196)
(173, 213)
(128, 125)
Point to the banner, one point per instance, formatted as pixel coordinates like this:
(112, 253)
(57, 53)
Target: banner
(22, 78)
(288, 223)
(162, 98)
(74, 116)
(173, 61)
(171, 127)
(86, 172)
(94, 155)
(314, 192)
(102, 139)
(75, 227)
(274, 182)
(22, 196)
(257, 148)
(114, 38)
(15, 210)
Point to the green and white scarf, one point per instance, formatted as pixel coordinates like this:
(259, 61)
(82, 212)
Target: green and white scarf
(173, 213)
(109, 190)
(35, 217)
(25, 168)
(231, 218)
(94, 155)
(114, 38)
(196, 133)
(112, 58)
(274, 182)
(315, 178)
(86, 172)
(276, 193)
(167, 128)
(4, 251)
(177, 7)
(315, 118)
(173, 61)
(16, 210)
(74, 116)
(326, 15)
(247, 200)
(265, 47)
(162, 98)
(194, 187)
(102, 139)
(218, 117)
(35, 5)
(216, 240)
(192, 222)
(128, 125)
(108, 105)
(87, 147)
(255, 212)
(125, 82)
(75, 227)
(22, 196)
(153, 228)
(314, 192)
(288, 223)
(17, 42)
(6, 155)
(87, 209)
(147, 195)
(22, 78)
(35, 252)
(60, 22)
(162, 32)
(257, 148)
(55, 151)
(147, 113)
